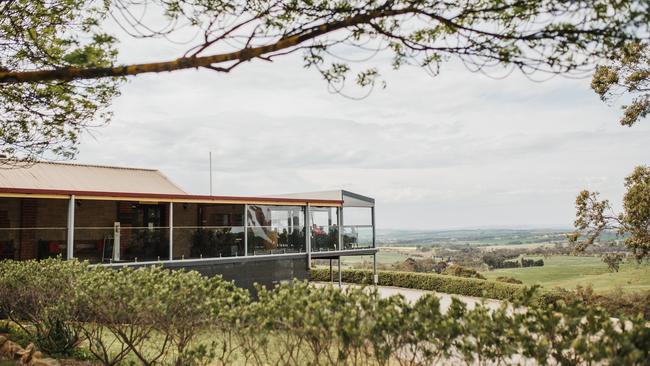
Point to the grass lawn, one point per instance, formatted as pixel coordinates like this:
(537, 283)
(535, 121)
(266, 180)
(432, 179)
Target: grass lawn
(383, 257)
(568, 272)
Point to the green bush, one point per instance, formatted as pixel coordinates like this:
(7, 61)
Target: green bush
(165, 312)
(42, 294)
(460, 271)
(154, 316)
(429, 282)
(507, 279)
(616, 302)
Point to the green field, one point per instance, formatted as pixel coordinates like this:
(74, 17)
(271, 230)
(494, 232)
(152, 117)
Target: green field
(383, 257)
(568, 272)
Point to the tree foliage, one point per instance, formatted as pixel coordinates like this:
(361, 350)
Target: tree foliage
(58, 67)
(628, 74)
(45, 119)
(613, 261)
(594, 216)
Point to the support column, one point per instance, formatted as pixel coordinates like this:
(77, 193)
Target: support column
(308, 234)
(340, 223)
(70, 239)
(372, 212)
(245, 229)
(340, 275)
(171, 231)
(331, 272)
(375, 278)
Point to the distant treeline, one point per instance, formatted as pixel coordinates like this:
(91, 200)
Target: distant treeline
(508, 259)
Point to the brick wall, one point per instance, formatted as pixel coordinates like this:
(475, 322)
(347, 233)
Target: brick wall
(184, 215)
(95, 213)
(10, 219)
(28, 217)
(52, 214)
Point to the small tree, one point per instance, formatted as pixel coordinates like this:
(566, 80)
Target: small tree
(594, 216)
(613, 261)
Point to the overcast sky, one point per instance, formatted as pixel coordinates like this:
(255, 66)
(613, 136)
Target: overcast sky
(458, 150)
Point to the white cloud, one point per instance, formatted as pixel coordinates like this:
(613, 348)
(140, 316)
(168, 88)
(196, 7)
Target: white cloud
(457, 150)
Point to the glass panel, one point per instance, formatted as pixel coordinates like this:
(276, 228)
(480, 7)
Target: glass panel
(324, 228)
(36, 243)
(100, 215)
(208, 242)
(33, 228)
(9, 243)
(221, 215)
(357, 216)
(276, 229)
(357, 237)
(51, 242)
(141, 244)
(121, 231)
(274, 240)
(94, 244)
(208, 230)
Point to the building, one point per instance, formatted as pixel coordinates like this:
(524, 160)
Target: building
(116, 216)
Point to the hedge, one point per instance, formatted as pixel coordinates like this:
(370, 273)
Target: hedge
(433, 282)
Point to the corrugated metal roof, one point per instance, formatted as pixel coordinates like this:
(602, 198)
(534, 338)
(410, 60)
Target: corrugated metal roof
(95, 178)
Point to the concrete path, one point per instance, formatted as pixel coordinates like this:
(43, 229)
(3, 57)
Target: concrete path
(412, 295)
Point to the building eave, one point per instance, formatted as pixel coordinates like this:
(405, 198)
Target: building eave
(157, 197)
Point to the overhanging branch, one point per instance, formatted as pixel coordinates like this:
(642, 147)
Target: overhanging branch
(74, 73)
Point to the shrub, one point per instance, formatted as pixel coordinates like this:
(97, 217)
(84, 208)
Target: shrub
(421, 265)
(460, 271)
(429, 282)
(165, 310)
(42, 294)
(507, 279)
(617, 302)
(159, 316)
(532, 262)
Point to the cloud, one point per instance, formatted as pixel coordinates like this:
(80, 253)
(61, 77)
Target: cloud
(457, 150)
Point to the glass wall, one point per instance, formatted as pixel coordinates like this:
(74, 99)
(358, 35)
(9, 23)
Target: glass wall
(324, 228)
(119, 231)
(124, 231)
(208, 230)
(357, 228)
(33, 228)
(276, 229)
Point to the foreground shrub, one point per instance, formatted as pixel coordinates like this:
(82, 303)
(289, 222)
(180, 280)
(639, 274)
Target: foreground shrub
(429, 282)
(460, 271)
(297, 323)
(617, 302)
(40, 298)
(151, 312)
(154, 316)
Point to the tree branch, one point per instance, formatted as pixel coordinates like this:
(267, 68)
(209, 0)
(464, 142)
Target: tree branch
(73, 73)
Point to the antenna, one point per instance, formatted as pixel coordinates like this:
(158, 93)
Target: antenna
(210, 173)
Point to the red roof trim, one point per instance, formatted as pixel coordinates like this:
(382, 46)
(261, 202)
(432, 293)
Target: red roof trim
(162, 196)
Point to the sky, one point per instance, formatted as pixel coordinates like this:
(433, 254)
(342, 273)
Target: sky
(459, 150)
